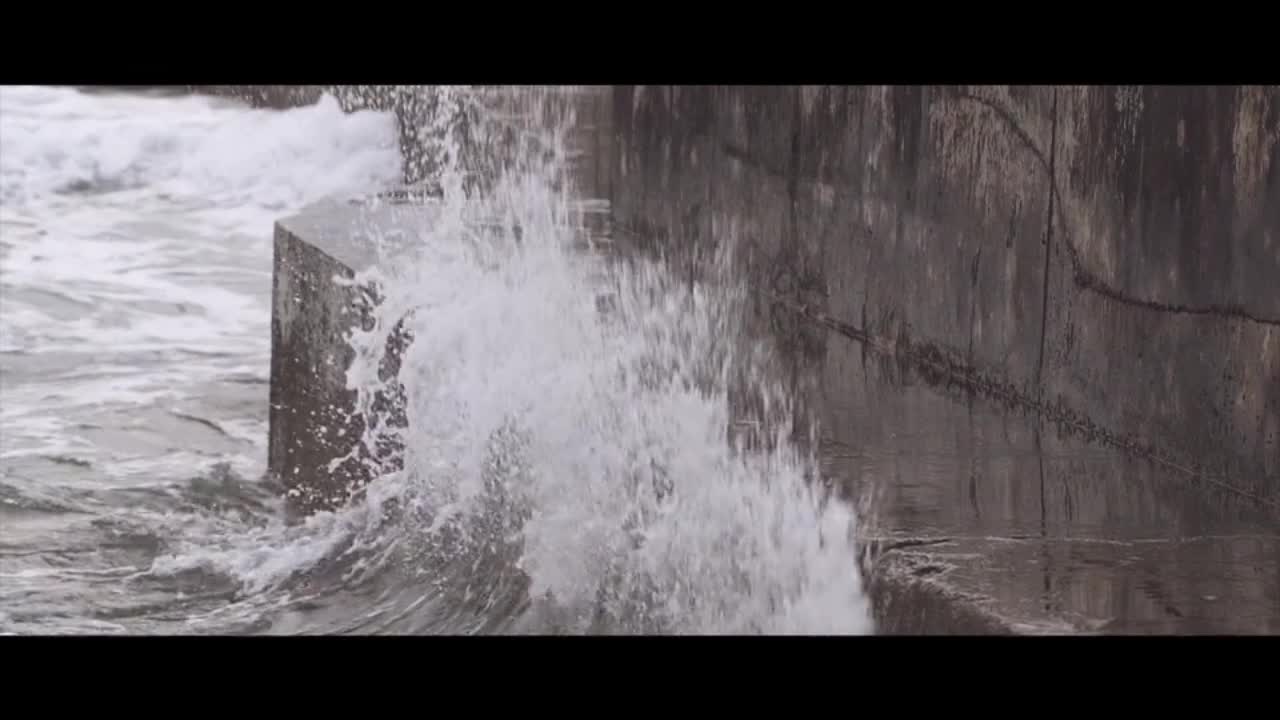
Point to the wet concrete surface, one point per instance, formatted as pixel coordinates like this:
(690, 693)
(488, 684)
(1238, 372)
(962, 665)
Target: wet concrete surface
(1094, 267)
(980, 520)
(1106, 254)
(314, 421)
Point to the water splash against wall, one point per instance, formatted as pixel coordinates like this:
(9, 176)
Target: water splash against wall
(566, 425)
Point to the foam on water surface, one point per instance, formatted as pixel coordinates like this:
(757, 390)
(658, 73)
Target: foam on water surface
(138, 226)
(135, 282)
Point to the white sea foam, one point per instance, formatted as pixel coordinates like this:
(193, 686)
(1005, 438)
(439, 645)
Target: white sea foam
(599, 440)
(136, 235)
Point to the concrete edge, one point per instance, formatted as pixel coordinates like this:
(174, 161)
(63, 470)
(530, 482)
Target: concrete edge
(910, 595)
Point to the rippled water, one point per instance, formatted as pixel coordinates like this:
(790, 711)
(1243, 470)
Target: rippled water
(135, 268)
(570, 459)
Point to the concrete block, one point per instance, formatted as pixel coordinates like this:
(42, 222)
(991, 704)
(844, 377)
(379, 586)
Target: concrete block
(315, 446)
(978, 521)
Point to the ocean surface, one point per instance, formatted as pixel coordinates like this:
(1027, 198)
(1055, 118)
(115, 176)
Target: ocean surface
(566, 470)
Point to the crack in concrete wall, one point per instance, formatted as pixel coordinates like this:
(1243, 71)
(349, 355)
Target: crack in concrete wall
(889, 199)
(1048, 233)
(939, 368)
(1082, 276)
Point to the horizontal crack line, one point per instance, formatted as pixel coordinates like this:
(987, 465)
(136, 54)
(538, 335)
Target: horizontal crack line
(968, 376)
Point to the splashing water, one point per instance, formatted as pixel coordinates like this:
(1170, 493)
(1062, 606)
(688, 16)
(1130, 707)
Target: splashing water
(578, 449)
(569, 456)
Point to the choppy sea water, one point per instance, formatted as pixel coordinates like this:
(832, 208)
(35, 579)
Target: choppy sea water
(566, 469)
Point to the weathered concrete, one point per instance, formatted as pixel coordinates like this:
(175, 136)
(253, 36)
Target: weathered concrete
(979, 521)
(315, 428)
(1164, 293)
(1102, 259)
(919, 220)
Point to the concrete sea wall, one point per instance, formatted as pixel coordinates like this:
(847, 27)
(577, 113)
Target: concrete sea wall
(1108, 257)
(1103, 257)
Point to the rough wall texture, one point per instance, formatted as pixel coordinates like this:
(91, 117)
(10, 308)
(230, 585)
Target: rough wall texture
(1164, 321)
(1107, 256)
(312, 420)
(317, 424)
(972, 513)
